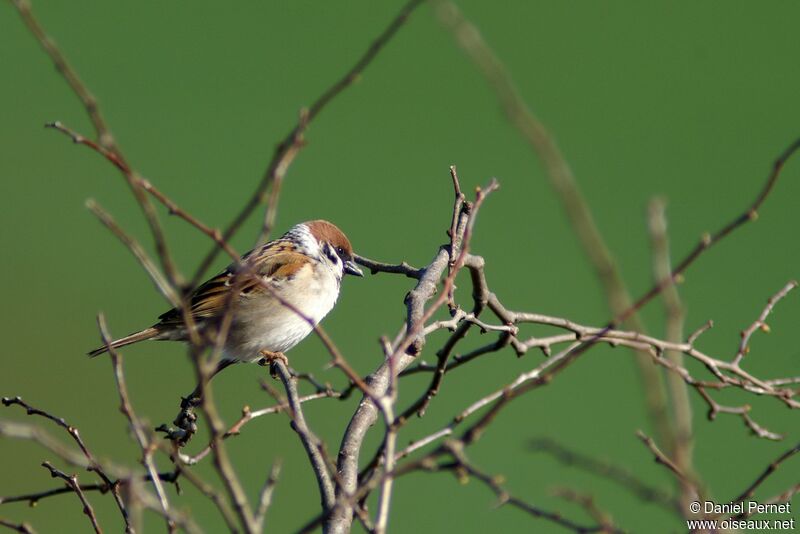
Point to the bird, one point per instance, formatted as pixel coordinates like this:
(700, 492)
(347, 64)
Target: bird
(274, 296)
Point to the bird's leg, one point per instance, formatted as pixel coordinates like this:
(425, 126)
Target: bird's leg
(270, 357)
(186, 420)
(187, 416)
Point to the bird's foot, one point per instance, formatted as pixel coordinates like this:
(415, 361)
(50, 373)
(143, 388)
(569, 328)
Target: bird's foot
(270, 358)
(186, 422)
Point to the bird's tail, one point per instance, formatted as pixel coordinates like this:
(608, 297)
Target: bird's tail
(147, 333)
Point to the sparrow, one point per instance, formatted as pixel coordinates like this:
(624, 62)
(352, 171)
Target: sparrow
(275, 295)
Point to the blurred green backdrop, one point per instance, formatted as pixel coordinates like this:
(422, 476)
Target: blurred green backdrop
(688, 100)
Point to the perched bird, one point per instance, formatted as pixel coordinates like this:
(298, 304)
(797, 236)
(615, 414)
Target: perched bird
(303, 270)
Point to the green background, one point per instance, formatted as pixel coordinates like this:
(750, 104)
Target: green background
(688, 100)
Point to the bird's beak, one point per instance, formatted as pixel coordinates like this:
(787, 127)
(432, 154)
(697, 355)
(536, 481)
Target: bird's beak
(350, 267)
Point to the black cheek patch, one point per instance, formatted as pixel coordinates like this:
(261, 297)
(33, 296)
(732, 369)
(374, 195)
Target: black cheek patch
(330, 253)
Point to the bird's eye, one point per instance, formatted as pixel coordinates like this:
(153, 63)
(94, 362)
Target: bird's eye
(339, 250)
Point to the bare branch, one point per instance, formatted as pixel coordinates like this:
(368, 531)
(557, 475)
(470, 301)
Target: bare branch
(222, 462)
(760, 323)
(71, 430)
(72, 482)
(164, 287)
(783, 497)
(33, 498)
(427, 440)
(248, 415)
(770, 469)
(312, 444)
(623, 478)
(403, 354)
(145, 184)
(462, 468)
(265, 499)
(715, 408)
(80, 90)
(92, 464)
(37, 435)
(682, 443)
(24, 528)
(705, 327)
(662, 459)
(379, 267)
(709, 240)
(145, 443)
(389, 459)
(588, 503)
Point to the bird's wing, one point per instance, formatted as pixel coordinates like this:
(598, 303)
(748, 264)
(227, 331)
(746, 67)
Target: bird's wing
(273, 264)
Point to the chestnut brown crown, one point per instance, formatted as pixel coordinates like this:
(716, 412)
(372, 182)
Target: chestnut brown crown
(327, 232)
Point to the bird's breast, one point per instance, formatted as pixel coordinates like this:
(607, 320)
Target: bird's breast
(272, 322)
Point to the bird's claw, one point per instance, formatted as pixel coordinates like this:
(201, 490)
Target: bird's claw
(186, 422)
(178, 436)
(270, 358)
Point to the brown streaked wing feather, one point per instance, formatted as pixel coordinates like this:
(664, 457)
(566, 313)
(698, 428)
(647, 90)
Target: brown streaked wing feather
(206, 299)
(210, 299)
(281, 266)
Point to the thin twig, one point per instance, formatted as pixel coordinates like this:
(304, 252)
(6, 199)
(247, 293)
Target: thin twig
(28, 432)
(265, 499)
(172, 207)
(770, 469)
(380, 267)
(248, 415)
(464, 469)
(664, 460)
(221, 459)
(164, 287)
(587, 502)
(24, 528)
(33, 498)
(93, 465)
(145, 443)
(418, 444)
(620, 476)
(72, 482)
(69, 74)
(760, 323)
